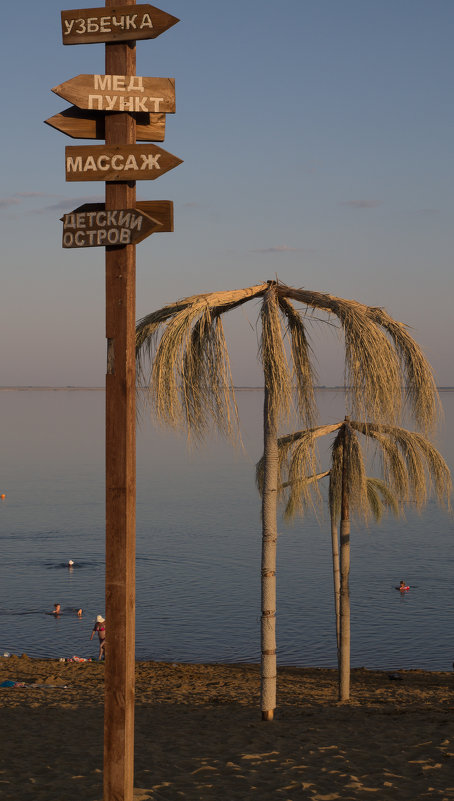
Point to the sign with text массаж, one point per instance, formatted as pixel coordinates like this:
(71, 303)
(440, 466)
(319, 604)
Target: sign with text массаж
(118, 162)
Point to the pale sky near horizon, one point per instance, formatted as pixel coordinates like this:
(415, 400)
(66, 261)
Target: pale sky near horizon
(317, 145)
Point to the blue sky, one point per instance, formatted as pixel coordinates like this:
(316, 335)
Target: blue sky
(317, 145)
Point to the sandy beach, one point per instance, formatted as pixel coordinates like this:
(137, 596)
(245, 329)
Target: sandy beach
(199, 735)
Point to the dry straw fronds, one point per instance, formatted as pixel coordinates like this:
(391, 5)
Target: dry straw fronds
(380, 496)
(412, 468)
(274, 360)
(420, 389)
(346, 447)
(307, 497)
(301, 354)
(190, 378)
(411, 465)
(302, 441)
(381, 361)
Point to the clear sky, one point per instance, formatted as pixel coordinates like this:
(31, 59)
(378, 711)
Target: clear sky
(317, 139)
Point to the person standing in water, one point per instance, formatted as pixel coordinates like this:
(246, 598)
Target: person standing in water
(100, 629)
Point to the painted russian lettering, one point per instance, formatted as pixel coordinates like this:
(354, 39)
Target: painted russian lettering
(125, 22)
(74, 164)
(146, 22)
(121, 103)
(116, 162)
(135, 162)
(95, 102)
(70, 220)
(122, 23)
(102, 82)
(132, 87)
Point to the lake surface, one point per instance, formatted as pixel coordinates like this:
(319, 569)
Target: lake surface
(198, 548)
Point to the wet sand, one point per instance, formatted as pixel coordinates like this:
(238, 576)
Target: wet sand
(199, 735)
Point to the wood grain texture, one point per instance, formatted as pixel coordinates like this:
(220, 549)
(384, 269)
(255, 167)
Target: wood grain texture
(118, 162)
(91, 226)
(119, 23)
(83, 124)
(160, 210)
(120, 467)
(116, 92)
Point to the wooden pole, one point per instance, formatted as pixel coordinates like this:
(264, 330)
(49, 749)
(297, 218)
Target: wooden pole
(120, 128)
(268, 567)
(344, 662)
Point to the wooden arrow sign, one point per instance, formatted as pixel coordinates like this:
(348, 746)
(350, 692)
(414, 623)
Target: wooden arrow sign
(91, 225)
(160, 210)
(118, 162)
(81, 124)
(119, 93)
(119, 24)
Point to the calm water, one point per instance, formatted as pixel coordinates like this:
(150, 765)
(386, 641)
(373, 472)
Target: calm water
(198, 548)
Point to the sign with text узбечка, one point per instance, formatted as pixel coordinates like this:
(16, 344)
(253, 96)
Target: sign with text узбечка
(119, 93)
(91, 225)
(119, 24)
(118, 162)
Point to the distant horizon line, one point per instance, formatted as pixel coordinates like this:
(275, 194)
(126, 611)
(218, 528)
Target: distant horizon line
(82, 388)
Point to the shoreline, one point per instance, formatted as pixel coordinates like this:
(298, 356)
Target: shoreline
(199, 736)
(213, 683)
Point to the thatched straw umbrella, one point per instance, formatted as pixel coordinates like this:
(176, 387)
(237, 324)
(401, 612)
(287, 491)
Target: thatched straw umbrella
(411, 467)
(190, 385)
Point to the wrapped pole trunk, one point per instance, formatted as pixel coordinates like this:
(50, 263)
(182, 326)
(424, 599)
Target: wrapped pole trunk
(268, 576)
(336, 579)
(344, 667)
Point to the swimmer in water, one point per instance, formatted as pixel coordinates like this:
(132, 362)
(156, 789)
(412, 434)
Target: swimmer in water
(70, 564)
(403, 587)
(57, 611)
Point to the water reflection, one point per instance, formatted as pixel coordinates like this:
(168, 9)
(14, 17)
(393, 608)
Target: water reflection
(198, 548)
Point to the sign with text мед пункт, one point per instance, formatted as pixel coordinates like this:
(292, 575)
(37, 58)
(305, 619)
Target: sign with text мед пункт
(119, 93)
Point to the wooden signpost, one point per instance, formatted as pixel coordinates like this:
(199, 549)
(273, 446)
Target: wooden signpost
(85, 26)
(119, 93)
(114, 104)
(117, 162)
(91, 225)
(81, 124)
(160, 210)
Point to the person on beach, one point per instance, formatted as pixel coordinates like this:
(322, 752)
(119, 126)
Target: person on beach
(403, 587)
(100, 629)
